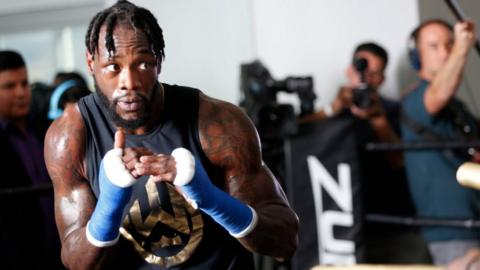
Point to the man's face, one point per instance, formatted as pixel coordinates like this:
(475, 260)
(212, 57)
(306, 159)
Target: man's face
(434, 44)
(127, 79)
(15, 94)
(374, 74)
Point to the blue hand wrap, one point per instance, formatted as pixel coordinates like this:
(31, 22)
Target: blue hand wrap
(104, 224)
(236, 217)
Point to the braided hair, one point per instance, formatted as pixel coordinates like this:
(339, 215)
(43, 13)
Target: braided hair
(124, 12)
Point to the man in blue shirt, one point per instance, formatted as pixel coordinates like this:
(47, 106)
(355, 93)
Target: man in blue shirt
(439, 55)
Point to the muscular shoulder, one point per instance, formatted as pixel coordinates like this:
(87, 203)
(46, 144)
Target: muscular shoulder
(227, 135)
(65, 144)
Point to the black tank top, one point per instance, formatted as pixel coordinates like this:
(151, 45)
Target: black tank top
(161, 230)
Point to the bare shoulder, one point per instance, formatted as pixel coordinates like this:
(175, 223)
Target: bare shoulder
(65, 160)
(230, 142)
(65, 146)
(227, 135)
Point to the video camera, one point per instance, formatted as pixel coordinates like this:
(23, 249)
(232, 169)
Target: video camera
(362, 93)
(260, 100)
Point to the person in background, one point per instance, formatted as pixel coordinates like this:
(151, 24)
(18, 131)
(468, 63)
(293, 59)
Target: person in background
(439, 52)
(69, 87)
(380, 115)
(49, 101)
(28, 238)
(384, 187)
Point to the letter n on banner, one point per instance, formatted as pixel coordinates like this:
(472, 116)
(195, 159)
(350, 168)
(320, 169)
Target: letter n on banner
(326, 193)
(332, 250)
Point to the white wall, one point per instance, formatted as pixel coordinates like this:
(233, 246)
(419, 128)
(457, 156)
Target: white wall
(22, 6)
(301, 37)
(48, 33)
(205, 43)
(28, 15)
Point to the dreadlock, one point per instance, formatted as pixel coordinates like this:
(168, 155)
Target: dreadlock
(124, 12)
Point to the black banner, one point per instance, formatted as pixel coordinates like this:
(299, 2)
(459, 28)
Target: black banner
(324, 185)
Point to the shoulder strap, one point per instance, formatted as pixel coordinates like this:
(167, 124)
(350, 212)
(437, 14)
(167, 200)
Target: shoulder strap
(418, 128)
(428, 134)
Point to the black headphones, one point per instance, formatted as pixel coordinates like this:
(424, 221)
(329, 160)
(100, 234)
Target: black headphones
(413, 53)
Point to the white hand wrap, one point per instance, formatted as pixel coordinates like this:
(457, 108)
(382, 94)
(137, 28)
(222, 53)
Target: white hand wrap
(185, 164)
(236, 217)
(115, 169)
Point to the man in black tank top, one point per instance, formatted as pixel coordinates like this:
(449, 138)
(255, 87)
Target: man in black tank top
(153, 176)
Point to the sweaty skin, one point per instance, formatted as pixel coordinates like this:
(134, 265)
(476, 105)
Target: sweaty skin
(227, 137)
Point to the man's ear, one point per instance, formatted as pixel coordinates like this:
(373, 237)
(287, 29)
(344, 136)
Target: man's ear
(89, 61)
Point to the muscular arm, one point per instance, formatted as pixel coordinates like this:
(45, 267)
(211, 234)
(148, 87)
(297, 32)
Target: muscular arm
(74, 201)
(446, 82)
(230, 141)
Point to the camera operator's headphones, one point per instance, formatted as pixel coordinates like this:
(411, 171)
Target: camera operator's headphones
(55, 111)
(413, 53)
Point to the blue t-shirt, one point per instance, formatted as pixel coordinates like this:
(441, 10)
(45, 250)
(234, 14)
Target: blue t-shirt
(431, 173)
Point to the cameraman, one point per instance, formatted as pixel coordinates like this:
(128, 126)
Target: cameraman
(381, 116)
(376, 119)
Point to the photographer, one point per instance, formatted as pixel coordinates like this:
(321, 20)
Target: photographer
(376, 119)
(380, 115)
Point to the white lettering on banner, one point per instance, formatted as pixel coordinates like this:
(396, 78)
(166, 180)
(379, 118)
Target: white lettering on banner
(330, 249)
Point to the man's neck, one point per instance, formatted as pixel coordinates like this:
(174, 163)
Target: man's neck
(426, 75)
